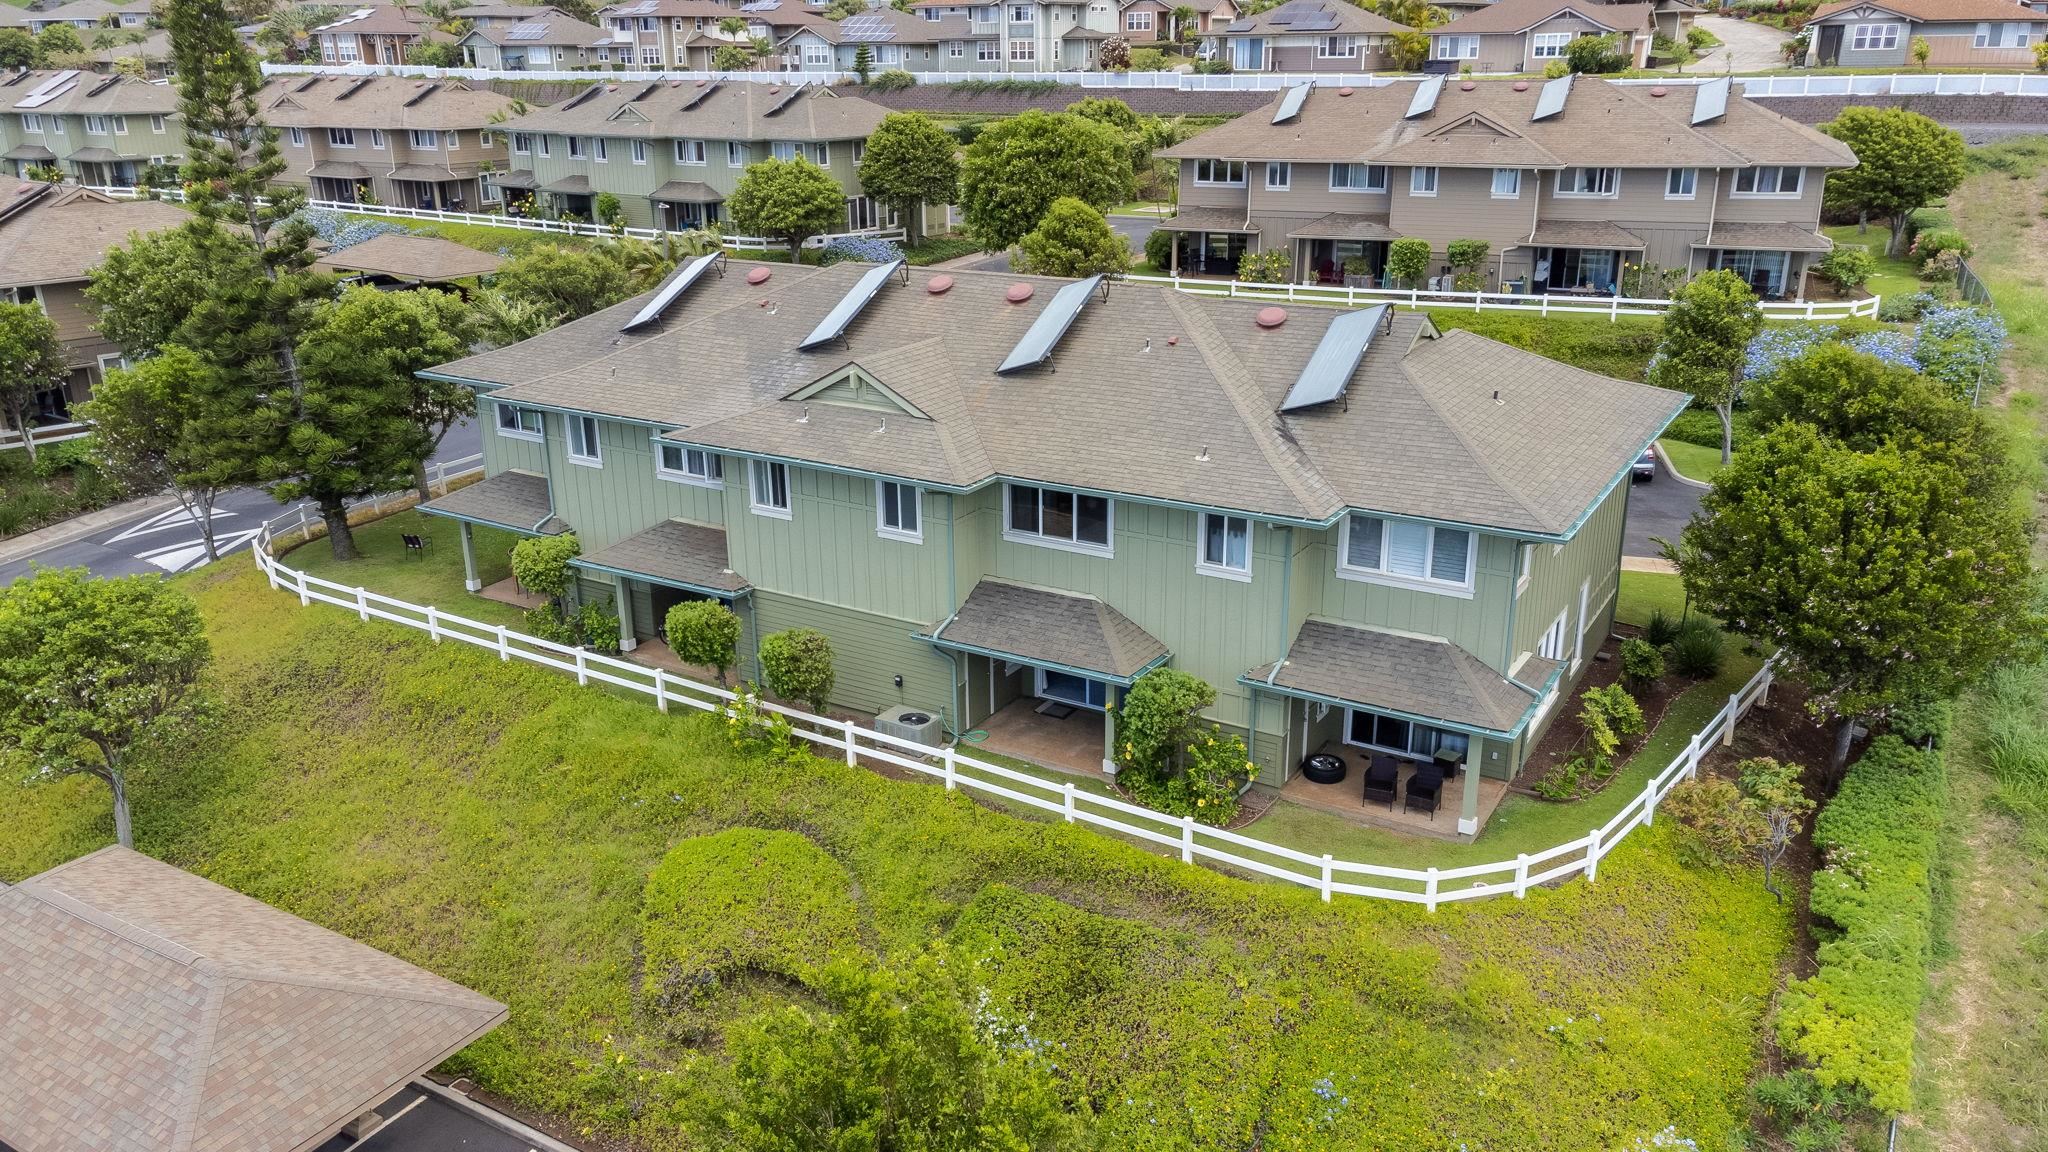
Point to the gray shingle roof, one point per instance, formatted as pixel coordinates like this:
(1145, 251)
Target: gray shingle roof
(1778, 237)
(734, 111)
(1208, 220)
(391, 102)
(1422, 676)
(425, 258)
(686, 192)
(144, 1009)
(515, 500)
(674, 552)
(1313, 18)
(1040, 626)
(1507, 16)
(1583, 234)
(556, 29)
(87, 93)
(63, 234)
(1345, 226)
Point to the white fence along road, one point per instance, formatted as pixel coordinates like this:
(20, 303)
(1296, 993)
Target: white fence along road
(1193, 841)
(1612, 307)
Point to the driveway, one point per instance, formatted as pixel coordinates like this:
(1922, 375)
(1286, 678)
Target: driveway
(418, 1121)
(1746, 46)
(1133, 228)
(1657, 509)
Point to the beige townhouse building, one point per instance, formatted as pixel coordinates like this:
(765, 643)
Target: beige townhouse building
(389, 139)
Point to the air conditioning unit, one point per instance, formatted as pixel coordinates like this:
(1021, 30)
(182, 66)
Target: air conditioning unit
(907, 723)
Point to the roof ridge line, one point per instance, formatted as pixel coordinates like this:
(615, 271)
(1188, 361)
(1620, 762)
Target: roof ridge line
(266, 976)
(126, 929)
(1514, 492)
(193, 1091)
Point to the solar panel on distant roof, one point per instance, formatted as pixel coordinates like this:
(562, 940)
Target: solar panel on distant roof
(1045, 333)
(835, 323)
(867, 28)
(1240, 26)
(677, 284)
(1328, 372)
(1290, 104)
(528, 31)
(1316, 22)
(1425, 97)
(1710, 100)
(1550, 101)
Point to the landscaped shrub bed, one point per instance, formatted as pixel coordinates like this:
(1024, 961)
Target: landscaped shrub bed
(61, 484)
(1619, 348)
(1854, 1018)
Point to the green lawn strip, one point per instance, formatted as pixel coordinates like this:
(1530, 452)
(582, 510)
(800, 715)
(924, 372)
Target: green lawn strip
(1693, 461)
(1895, 276)
(508, 239)
(1644, 592)
(433, 577)
(496, 824)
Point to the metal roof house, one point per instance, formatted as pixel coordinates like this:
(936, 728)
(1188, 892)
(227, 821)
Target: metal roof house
(1006, 498)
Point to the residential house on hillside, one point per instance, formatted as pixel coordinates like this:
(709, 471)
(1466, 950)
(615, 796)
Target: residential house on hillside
(101, 130)
(389, 139)
(686, 33)
(1967, 33)
(1530, 35)
(504, 15)
(917, 42)
(1006, 498)
(153, 51)
(673, 152)
(51, 237)
(379, 35)
(1567, 180)
(83, 15)
(1305, 36)
(549, 40)
(1034, 35)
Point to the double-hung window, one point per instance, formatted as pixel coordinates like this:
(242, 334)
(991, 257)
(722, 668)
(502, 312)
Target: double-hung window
(584, 446)
(541, 144)
(1224, 173)
(860, 151)
(1681, 183)
(1507, 183)
(599, 151)
(1023, 51)
(817, 55)
(689, 152)
(120, 125)
(1358, 178)
(639, 151)
(1874, 37)
(156, 123)
(1588, 181)
(955, 49)
(519, 423)
(898, 512)
(1137, 21)
(987, 51)
(1422, 181)
(1549, 45)
(1336, 47)
(298, 137)
(426, 138)
(821, 154)
(782, 149)
(1225, 548)
(1455, 47)
(689, 465)
(1768, 180)
(575, 147)
(1279, 174)
(1058, 518)
(34, 123)
(735, 154)
(522, 143)
(341, 137)
(377, 138)
(1405, 552)
(768, 488)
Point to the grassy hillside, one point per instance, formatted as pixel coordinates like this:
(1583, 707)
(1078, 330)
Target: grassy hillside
(497, 824)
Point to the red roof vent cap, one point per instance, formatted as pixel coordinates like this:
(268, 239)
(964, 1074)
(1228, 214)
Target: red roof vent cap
(1018, 293)
(1270, 317)
(1345, 91)
(1659, 90)
(938, 284)
(1521, 85)
(759, 276)
(1467, 86)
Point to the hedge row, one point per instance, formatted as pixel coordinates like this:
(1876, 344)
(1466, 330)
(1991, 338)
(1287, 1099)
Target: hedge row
(1853, 1020)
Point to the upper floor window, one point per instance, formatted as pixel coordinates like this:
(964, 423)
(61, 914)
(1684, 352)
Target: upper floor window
(1058, 518)
(1358, 178)
(377, 138)
(860, 150)
(1279, 174)
(1549, 45)
(768, 488)
(1226, 547)
(735, 154)
(1406, 552)
(689, 152)
(519, 423)
(425, 138)
(1681, 183)
(1023, 14)
(575, 147)
(34, 123)
(1588, 181)
(298, 137)
(689, 465)
(96, 126)
(1337, 47)
(639, 151)
(1227, 173)
(783, 149)
(897, 511)
(821, 154)
(1422, 181)
(599, 150)
(1873, 37)
(1507, 183)
(584, 445)
(156, 123)
(1768, 180)
(541, 145)
(342, 137)
(522, 143)
(1455, 47)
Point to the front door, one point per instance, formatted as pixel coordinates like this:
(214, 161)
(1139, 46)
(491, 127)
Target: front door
(1830, 44)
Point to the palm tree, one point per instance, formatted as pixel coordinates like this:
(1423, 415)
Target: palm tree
(1417, 14)
(732, 27)
(1185, 22)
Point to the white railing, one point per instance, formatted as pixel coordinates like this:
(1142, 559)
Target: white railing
(1193, 841)
(1904, 84)
(1612, 307)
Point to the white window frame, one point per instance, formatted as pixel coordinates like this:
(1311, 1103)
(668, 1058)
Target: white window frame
(377, 139)
(1326, 44)
(156, 123)
(1755, 178)
(522, 143)
(768, 473)
(34, 123)
(575, 146)
(955, 49)
(542, 147)
(341, 137)
(821, 154)
(1454, 47)
(1024, 51)
(599, 150)
(1369, 187)
(1233, 174)
(817, 54)
(1681, 183)
(907, 496)
(1513, 191)
(783, 149)
(737, 154)
(1037, 538)
(1279, 175)
(1422, 180)
(1223, 569)
(120, 125)
(1381, 575)
(1029, 14)
(425, 138)
(1591, 176)
(987, 51)
(684, 150)
(518, 429)
(1550, 645)
(298, 137)
(1873, 37)
(1549, 45)
(703, 468)
(1038, 689)
(1138, 20)
(583, 432)
(639, 151)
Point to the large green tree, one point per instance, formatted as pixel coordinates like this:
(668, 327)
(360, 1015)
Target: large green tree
(909, 163)
(1903, 161)
(31, 360)
(59, 46)
(1706, 339)
(1074, 239)
(792, 200)
(17, 48)
(146, 433)
(1878, 575)
(143, 292)
(92, 670)
(1016, 168)
(565, 283)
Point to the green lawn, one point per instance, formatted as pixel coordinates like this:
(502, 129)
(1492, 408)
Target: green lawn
(495, 823)
(1695, 461)
(432, 578)
(483, 237)
(1894, 276)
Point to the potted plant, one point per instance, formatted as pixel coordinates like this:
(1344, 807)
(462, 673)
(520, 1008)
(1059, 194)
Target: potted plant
(1357, 272)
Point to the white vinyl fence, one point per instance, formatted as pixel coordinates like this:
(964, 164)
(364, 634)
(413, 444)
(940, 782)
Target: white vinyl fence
(1193, 841)
(1612, 307)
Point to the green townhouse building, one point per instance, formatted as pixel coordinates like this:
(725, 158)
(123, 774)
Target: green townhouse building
(99, 130)
(673, 151)
(1000, 496)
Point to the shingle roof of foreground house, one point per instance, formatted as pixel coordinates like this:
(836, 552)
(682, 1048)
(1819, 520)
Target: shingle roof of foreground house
(143, 1009)
(377, 102)
(51, 235)
(1149, 393)
(1600, 124)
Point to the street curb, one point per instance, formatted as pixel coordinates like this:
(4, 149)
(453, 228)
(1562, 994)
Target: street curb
(496, 1119)
(1672, 469)
(79, 527)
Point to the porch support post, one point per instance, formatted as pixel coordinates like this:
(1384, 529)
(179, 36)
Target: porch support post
(623, 603)
(1109, 739)
(1468, 807)
(1173, 261)
(469, 580)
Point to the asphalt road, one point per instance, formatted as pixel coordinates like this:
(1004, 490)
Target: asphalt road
(169, 541)
(1657, 508)
(1133, 228)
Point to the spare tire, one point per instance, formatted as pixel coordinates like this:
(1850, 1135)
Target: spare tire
(1323, 768)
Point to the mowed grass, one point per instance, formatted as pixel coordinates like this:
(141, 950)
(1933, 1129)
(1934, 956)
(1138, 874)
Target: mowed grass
(496, 824)
(432, 577)
(1895, 276)
(1693, 461)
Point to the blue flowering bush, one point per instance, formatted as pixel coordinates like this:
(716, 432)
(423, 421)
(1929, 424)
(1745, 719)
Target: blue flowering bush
(867, 249)
(1892, 347)
(1959, 344)
(1774, 347)
(341, 232)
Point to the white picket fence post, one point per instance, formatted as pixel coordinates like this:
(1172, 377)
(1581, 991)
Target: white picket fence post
(504, 644)
(1327, 861)
(433, 624)
(1067, 801)
(951, 769)
(1734, 713)
(1592, 855)
(1429, 890)
(582, 670)
(852, 751)
(1187, 839)
(661, 690)
(363, 605)
(1521, 875)
(1649, 803)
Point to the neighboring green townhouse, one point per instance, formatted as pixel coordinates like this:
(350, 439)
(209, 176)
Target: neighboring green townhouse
(915, 42)
(1003, 495)
(389, 139)
(99, 130)
(84, 15)
(673, 151)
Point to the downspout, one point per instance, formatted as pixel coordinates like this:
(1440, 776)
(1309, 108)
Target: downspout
(956, 701)
(1507, 656)
(547, 467)
(1713, 210)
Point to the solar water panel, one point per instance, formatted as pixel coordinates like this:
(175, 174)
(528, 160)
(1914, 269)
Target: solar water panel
(1290, 104)
(843, 314)
(1046, 332)
(1425, 96)
(1328, 372)
(1550, 101)
(669, 293)
(1710, 100)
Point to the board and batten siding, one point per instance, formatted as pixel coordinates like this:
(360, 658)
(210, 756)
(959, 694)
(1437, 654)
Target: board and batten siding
(829, 552)
(868, 653)
(617, 498)
(1477, 623)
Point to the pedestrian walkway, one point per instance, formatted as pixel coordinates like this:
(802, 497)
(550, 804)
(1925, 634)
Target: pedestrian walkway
(80, 526)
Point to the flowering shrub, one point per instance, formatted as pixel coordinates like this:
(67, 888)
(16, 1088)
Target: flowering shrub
(867, 249)
(1942, 267)
(1215, 769)
(1888, 346)
(1958, 344)
(340, 232)
(1774, 347)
